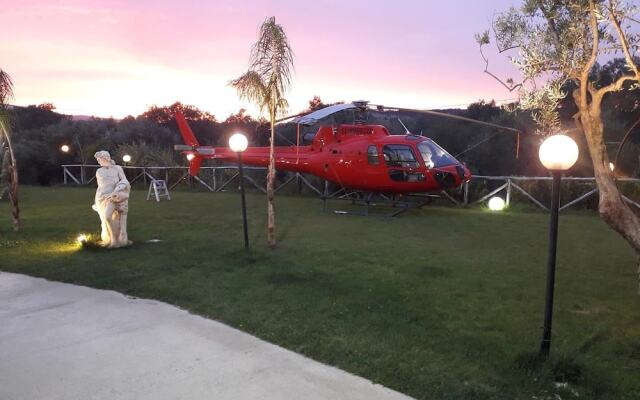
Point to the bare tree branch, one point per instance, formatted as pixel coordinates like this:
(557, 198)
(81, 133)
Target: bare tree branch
(595, 41)
(615, 86)
(623, 40)
(510, 87)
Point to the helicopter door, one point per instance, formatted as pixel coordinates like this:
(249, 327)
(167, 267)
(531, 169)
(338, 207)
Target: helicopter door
(401, 163)
(375, 171)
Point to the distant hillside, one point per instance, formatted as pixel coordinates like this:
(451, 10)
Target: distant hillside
(81, 117)
(34, 117)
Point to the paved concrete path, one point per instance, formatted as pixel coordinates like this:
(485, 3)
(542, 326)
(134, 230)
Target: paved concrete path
(61, 341)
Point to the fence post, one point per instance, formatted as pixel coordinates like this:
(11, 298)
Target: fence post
(508, 201)
(466, 193)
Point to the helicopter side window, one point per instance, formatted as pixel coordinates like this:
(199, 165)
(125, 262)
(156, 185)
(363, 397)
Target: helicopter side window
(372, 155)
(397, 155)
(434, 155)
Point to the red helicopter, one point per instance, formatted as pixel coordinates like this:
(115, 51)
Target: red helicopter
(360, 157)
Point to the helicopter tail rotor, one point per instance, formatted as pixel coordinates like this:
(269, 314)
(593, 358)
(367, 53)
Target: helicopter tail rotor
(194, 165)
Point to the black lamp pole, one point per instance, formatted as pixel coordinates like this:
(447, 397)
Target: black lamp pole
(244, 206)
(545, 346)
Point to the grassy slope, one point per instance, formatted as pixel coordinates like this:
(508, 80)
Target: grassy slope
(439, 303)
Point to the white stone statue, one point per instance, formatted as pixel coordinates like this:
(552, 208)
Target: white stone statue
(112, 201)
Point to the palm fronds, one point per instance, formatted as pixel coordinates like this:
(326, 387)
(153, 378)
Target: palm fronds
(251, 87)
(6, 87)
(270, 69)
(272, 57)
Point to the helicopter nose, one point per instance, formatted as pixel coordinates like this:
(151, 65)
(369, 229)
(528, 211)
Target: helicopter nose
(460, 171)
(452, 176)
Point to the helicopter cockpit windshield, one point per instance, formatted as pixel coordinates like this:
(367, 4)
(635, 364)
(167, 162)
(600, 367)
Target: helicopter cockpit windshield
(434, 155)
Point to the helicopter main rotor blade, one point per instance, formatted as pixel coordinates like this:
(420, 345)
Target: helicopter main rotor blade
(288, 117)
(313, 117)
(445, 115)
(310, 118)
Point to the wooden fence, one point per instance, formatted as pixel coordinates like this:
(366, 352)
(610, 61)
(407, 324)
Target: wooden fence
(219, 178)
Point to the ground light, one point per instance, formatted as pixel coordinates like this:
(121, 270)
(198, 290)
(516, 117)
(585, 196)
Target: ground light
(238, 143)
(496, 204)
(557, 153)
(82, 239)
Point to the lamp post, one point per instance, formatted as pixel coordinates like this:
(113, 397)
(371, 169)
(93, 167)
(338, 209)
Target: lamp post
(238, 143)
(65, 148)
(557, 153)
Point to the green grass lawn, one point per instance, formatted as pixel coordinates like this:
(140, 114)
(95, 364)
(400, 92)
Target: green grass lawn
(440, 303)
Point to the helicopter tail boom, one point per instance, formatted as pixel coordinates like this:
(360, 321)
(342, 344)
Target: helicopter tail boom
(289, 158)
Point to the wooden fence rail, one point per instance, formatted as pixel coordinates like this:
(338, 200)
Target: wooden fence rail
(512, 182)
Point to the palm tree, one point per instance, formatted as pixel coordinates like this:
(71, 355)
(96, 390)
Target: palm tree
(8, 166)
(268, 78)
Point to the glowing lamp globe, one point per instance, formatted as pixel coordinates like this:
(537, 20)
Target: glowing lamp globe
(558, 153)
(190, 157)
(64, 148)
(126, 158)
(82, 238)
(238, 142)
(496, 204)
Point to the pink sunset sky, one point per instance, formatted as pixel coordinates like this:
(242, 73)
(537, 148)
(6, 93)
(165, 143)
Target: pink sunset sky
(116, 57)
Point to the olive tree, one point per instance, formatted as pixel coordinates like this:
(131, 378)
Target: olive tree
(555, 44)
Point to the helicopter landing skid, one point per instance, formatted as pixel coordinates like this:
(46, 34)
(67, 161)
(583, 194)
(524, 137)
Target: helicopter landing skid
(371, 201)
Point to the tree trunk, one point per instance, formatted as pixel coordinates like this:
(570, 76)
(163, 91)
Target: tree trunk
(638, 259)
(271, 177)
(13, 197)
(612, 207)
